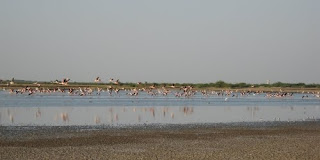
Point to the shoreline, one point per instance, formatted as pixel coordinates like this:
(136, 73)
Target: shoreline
(125, 86)
(257, 140)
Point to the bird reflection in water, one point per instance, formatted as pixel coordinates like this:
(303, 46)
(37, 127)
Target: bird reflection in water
(111, 115)
(11, 118)
(253, 111)
(187, 110)
(38, 113)
(152, 112)
(292, 108)
(65, 117)
(97, 119)
(164, 111)
(172, 115)
(110, 119)
(116, 117)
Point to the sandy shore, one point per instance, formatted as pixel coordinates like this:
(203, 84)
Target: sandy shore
(294, 140)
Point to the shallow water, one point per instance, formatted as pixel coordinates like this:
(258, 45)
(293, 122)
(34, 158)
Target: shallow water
(62, 109)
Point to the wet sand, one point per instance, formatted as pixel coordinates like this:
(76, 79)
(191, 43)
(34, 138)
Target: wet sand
(263, 140)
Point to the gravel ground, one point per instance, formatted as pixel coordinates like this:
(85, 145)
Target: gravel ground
(294, 140)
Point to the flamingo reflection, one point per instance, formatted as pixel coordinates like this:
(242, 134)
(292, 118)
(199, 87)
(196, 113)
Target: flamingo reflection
(97, 119)
(187, 110)
(111, 115)
(172, 115)
(152, 111)
(164, 110)
(116, 117)
(65, 117)
(11, 118)
(38, 113)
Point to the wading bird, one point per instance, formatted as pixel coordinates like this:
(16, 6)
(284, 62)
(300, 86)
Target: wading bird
(97, 79)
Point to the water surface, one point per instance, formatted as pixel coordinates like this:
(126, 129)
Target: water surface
(120, 109)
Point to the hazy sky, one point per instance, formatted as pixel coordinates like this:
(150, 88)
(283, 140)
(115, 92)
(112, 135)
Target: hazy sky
(161, 41)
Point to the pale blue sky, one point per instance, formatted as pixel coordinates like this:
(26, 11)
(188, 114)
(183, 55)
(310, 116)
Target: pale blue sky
(161, 41)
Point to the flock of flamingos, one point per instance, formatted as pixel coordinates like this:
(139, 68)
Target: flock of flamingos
(183, 91)
(63, 87)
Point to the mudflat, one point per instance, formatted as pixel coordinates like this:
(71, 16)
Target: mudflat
(283, 140)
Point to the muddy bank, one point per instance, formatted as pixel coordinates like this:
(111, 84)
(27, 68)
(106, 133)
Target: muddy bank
(299, 140)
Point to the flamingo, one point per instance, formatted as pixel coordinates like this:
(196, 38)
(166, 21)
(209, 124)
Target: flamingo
(97, 79)
(12, 81)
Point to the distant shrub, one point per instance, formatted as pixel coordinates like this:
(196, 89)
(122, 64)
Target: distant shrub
(240, 85)
(132, 85)
(222, 84)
